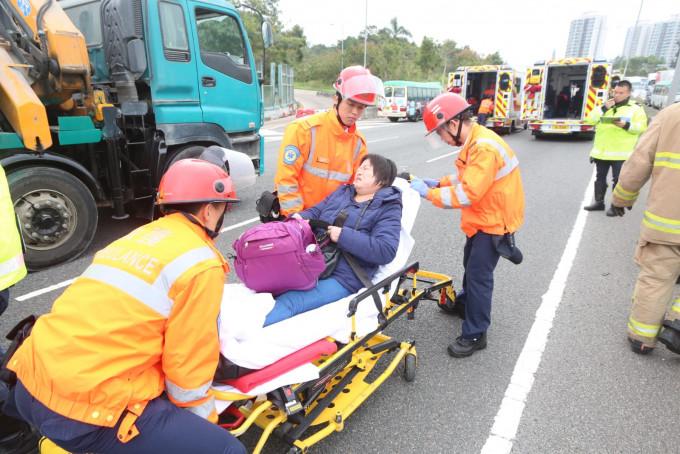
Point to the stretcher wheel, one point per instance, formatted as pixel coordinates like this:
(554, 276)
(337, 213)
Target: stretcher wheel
(410, 367)
(294, 450)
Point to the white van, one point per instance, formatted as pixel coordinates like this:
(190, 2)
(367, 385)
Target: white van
(660, 94)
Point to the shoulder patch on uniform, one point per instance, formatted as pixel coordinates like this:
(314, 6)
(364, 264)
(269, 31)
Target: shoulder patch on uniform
(290, 154)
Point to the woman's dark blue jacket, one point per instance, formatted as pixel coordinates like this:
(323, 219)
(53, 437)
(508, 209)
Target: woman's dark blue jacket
(374, 242)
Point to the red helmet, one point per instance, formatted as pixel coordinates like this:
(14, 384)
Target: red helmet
(195, 181)
(442, 109)
(358, 84)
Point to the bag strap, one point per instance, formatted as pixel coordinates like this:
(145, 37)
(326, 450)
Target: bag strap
(363, 277)
(358, 270)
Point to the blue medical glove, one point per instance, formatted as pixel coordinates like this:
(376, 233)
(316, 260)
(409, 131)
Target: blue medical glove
(431, 183)
(419, 185)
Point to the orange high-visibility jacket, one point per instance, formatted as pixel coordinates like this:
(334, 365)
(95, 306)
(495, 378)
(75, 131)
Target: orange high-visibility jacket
(317, 155)
(487, 187)
(141, 319)
(486, 106)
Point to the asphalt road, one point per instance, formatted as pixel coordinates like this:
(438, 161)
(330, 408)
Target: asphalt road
(557, 376)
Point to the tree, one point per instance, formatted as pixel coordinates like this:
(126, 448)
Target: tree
(430, 58)
(468, 57)
(448, 51)
(494, 59)
(397, 31)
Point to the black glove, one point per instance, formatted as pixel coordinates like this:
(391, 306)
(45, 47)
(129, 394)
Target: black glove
(619, 211)
(405, 175)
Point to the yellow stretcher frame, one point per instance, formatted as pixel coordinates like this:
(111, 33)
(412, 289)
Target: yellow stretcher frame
(344, 372)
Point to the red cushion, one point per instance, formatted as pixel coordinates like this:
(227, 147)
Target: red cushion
(287, 363)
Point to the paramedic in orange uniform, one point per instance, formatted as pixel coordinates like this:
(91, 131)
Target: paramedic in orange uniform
(140, 321)
(485, 109)
(487, 188)
(323, 151)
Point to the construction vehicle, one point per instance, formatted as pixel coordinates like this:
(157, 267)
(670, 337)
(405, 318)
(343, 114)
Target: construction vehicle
(502, 83)
(564, 92)
(99, 97)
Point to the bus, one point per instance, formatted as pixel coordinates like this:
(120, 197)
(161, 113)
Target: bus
(660, 94)
(406, 99)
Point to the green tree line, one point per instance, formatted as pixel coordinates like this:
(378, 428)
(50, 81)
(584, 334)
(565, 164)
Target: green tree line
(390, 52)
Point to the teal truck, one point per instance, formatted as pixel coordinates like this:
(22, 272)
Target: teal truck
(99, 97)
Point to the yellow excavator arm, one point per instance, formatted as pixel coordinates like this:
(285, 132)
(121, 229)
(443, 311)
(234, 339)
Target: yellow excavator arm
(44, 62)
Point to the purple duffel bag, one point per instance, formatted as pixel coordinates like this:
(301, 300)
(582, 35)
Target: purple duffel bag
(278, 256)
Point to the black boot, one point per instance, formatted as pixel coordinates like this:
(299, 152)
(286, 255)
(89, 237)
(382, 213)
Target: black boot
(598, 204)
(670, 336)
(23, 440)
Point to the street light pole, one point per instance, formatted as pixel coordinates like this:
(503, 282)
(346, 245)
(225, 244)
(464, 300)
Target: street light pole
(365, 33)
(631, 41)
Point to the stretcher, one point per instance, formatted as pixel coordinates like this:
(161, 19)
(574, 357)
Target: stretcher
(310, 374)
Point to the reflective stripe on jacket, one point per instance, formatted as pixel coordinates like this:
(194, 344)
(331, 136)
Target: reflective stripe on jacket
(489, 188)
(611, 142)
(12, 267)
(141, 319)
(657, 155)
(316, 156)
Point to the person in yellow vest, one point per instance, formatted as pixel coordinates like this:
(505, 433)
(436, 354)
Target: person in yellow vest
(141, 322)
(15, 435)
(656, 156)
(323, 151)
(620, 121)
(485, 109)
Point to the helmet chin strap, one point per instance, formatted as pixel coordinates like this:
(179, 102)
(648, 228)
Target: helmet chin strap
(211, 233)
(456, 138)
(337, 112)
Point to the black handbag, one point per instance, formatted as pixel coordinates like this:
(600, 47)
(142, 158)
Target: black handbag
(330, 250)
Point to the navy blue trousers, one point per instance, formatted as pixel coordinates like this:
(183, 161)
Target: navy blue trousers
(479, 262)
(602, 169)
(163, 428)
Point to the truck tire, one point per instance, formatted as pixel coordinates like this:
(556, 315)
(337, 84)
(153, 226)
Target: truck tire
(186, 152)
(57, 212)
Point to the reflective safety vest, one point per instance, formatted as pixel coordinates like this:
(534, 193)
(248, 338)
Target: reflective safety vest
(316, 156)
(141, 319)
(613, 143)
(486, 106)
(487, 187)
(12, 267)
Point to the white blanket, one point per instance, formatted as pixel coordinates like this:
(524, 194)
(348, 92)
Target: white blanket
(245, 342)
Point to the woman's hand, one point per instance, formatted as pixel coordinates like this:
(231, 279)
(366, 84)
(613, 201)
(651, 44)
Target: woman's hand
(334, 233)
(296, 216)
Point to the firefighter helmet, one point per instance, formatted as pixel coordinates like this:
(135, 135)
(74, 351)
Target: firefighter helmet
(442, 109)
(358, 84)
(195, 181)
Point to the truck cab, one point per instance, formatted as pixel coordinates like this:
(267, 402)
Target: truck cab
(189, 62)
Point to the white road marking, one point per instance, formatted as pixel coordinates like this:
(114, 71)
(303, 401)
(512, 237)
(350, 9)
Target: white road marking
(443, 156)
(507, 419)
(42, 291)
(380, 140)
(45, 290)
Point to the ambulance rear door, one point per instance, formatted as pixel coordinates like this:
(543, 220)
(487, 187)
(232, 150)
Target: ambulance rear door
(532, 106)
(598, 81)
(503, 93)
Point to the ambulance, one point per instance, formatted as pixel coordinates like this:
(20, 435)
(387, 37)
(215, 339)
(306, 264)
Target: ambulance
(559, 94)
(503, 82)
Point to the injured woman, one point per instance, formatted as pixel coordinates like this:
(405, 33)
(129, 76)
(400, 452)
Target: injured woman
(372, 209)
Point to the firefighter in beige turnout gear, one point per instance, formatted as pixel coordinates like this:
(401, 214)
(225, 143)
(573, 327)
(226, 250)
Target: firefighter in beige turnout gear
(657, 155)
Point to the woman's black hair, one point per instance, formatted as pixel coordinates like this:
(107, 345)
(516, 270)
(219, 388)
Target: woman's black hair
(384, 170)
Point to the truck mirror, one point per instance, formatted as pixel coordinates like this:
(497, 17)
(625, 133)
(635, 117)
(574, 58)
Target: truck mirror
(267, 34)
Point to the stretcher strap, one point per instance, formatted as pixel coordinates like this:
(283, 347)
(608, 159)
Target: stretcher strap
(363, 277)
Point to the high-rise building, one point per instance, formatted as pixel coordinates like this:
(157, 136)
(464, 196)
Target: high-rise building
(659, 39)
(586, 36)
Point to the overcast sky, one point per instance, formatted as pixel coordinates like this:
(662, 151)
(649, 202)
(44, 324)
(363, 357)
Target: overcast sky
(523, 31)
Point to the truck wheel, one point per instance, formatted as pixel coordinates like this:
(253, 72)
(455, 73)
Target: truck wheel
(187, 152)
(57, 212)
